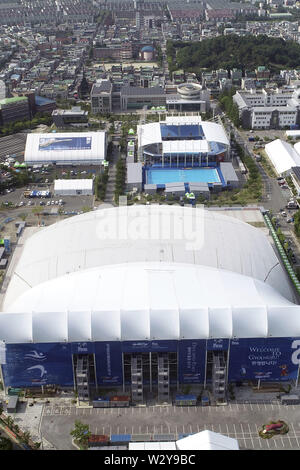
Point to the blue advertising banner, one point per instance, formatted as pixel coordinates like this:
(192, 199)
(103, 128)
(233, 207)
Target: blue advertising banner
(65, 143)
(217, 344)
(273, 359)
(109, 363)
(149, 346)
(29, 365)
(191, 361)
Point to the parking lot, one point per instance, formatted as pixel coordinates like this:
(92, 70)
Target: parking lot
(241, 421)
(270, 134)
(70, 204)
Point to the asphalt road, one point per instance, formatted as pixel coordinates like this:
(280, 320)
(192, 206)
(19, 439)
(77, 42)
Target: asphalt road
(275, 197)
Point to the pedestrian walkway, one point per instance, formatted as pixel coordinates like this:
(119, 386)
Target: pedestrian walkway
(110, 187)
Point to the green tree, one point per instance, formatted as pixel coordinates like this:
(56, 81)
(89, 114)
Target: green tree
(297, 223)
(81, 433)
(26, 437)
(9, 421)
(5, 444)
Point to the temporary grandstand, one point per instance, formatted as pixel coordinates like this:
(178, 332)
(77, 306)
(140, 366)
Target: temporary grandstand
(130, 299)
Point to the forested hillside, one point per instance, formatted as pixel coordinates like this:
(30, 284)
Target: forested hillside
(232, 51)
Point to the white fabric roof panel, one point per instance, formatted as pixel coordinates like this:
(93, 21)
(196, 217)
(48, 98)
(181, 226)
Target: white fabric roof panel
(188, 120)
(185, 146)
(253, 315)
(111, 236)
(283, 155)
(79, 326)
(149, 133)
(49, 327)
(103, 330)
(16, 327)
(214, 132)
(279, 328)
(258, 327)
(207, 440)
(65, 147)
(220, 322)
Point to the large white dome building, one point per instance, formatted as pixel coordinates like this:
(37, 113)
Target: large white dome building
(141, 289)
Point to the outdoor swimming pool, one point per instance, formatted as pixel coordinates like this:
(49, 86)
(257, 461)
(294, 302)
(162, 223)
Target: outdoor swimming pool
(183, 175)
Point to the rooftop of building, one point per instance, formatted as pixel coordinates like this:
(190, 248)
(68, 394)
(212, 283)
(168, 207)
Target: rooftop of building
(15, 99)
(139, 91)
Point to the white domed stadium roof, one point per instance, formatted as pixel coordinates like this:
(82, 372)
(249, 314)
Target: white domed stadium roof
(149, 301)
(169, 234)
(150, 133)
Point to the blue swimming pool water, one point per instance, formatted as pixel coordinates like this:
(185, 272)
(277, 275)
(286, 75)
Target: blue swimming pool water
(174, 175)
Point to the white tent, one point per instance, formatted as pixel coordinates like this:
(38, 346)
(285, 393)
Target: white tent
(283, 156)
(207, 440)
(72, 187)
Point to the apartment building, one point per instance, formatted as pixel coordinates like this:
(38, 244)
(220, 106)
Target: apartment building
(14, 109)
(101, 97)
(268, 109)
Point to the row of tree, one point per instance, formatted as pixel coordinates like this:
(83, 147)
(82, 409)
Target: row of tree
(228, 105)
(18, 126)
(297, 223)
(100, 185)
(120, 179)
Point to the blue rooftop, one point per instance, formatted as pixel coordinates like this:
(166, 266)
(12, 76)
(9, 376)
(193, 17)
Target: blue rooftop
(40, 100)
(148, 49)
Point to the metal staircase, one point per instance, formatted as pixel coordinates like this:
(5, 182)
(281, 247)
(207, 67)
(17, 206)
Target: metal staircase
(82, 378)
(136, 378)
(219, 378)
(163, 375)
